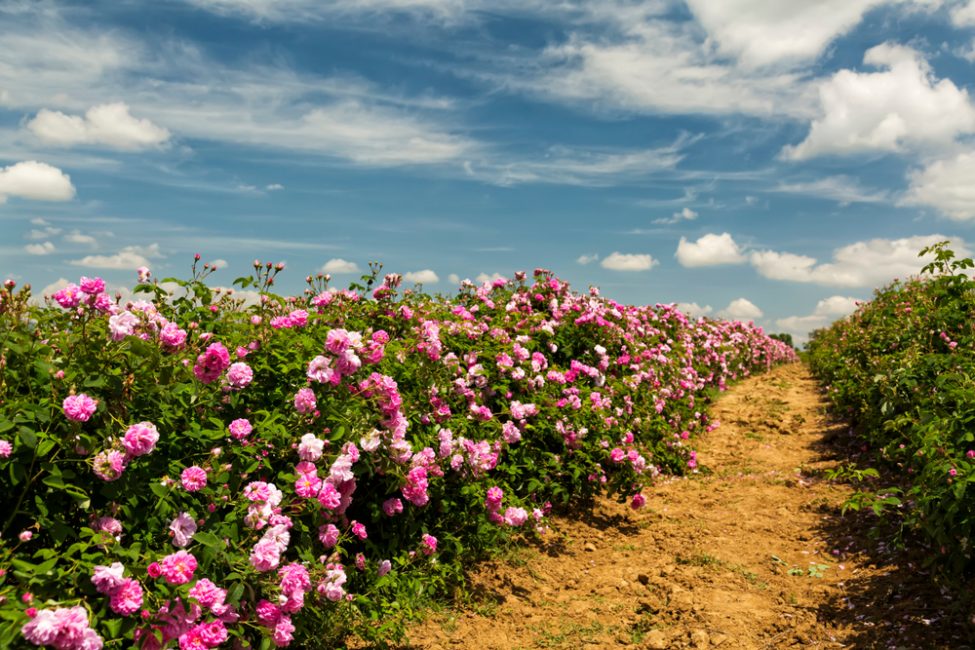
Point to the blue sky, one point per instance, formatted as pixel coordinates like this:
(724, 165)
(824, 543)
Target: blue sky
(761, 159)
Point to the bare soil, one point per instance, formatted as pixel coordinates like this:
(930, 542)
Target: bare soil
(751, 552)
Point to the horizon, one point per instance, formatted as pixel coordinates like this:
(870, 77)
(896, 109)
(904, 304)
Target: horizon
(765, 161)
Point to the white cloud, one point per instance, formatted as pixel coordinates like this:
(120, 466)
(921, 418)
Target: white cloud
(44, 248)
(314, 10)
(685, 214)
(484, 277)
(628, 262)
(40, 221)
(47, 232)
(963, 15)
(338, 265)
(110, 125)
(709, 250)
(35, 180)
(55, 286)
(569, 166)
(426, 276)
(694, 310)
(587, 259)
(861, 264)
(901, 106)
(129, 258)
(763, 33)
(218, 264)
(453, 278)
(947, 185)
(274, 187)
(827, 310)
(77, 237)
(843, 189)
(741, 309)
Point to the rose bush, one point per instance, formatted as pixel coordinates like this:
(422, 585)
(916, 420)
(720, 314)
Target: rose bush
(902, 369)
(187, 470)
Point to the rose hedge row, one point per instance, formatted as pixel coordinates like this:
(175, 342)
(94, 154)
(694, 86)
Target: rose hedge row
(902, 368)
(187, 470)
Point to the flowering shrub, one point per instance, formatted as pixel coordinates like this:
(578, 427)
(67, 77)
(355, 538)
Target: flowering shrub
(184, 470)
(903, 369)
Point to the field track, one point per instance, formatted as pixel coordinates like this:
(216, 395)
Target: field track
(750, 553)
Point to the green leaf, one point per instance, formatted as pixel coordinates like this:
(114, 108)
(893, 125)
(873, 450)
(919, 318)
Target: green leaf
(209, 539)
(28, 437)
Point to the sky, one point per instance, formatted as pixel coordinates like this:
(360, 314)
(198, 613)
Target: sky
(766, 160)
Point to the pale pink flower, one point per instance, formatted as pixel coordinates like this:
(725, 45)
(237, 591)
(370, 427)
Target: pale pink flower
(265, 555)
(172, 336)
(239, 375)
(283, 633)
(122, 325)
(143, 272)
(515, 516)
(108, 578)
(6, 449)
(328, 535)
(310, 448)
(182, 527)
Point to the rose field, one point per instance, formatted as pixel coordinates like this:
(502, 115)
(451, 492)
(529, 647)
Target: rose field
(189, 469)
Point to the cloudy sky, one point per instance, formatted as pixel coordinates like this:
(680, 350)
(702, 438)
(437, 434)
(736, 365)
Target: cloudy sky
(760, 159)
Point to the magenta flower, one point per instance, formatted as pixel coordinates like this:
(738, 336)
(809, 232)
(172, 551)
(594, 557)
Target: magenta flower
(108, 578)
(6, 449)
(127, 598)
(140, 439)
(172, 336)
(429, 544)
(193, 478)
(79, 408)
(359, 530)
(211, 364)
(92, 286)
(178, 567)
(638, 501)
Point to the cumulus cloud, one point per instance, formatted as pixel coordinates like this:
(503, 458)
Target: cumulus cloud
(274, 187)
(760, 33)
(947, 185)
(741, 309)
(426, 276)
(861, 264)
(628, 262)
(709, 250)
(42, 233)
(218, 264)
(963, 15)
(454, 279)
(129, 258)
(35, 180)
(685, 214)
(484, 277)
(903, 105)
(694, 310)
(109, 125)
(77, 237)
(826, 311)
(338, 265)
(44, 248)
(587, 259)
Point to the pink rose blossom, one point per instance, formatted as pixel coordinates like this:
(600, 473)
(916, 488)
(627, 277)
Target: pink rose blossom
(172, 336)
(359, 530)
(305, 401)
(108, 465)
(193, 478)
(638, 501)
(392, 507)
(310, 448)
(211, 364)
(265, 555)
(283, 631)
(429, 544)
(108, 578)
(140, 439)
(239, 376)
(268, 614)
(515, 516)
(240, 428)
(79, 408)
(6, 449)
(182, 527)
(328, 535)
(127, 598)
(178, 567)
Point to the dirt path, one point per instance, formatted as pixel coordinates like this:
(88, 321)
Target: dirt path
(751, 554)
